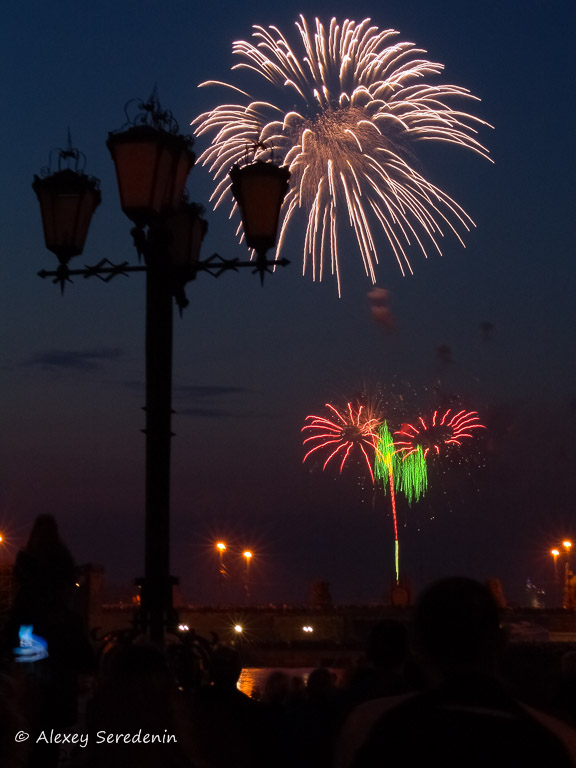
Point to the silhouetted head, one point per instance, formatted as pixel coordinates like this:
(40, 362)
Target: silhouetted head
(225, 666)
(457, 626)
(388, 644)
(125, 665)
(44, 542)
(277, 688)
(321, 683)
(44, 534)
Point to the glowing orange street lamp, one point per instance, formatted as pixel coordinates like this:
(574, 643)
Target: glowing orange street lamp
(221, 547)
(555, 553)
(247, 554)
(222, 570)
(568, 601)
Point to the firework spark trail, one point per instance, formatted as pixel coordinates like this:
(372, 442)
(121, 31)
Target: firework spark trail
(438, 431)
(406, 474)
(408, 471)
(395, 518)
(385, 466)
(353, 428)
(413, 475)
(364, 100)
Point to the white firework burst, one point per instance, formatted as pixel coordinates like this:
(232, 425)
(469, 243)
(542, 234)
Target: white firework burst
(363, 101)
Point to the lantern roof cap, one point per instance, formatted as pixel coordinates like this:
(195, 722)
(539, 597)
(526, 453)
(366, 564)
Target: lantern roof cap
(147, 118)
(67, 179)
(144, 132)
(260, 168)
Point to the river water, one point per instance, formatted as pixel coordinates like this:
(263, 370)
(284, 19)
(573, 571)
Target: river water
(253, 679)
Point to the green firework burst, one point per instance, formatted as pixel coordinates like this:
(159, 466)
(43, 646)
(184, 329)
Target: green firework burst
(412, 479)
(410, 474)
(385, 460)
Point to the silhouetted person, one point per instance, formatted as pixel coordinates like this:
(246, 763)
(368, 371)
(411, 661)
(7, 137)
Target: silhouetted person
(12, 753)
(564, 700)
(226, 727)
(136, 695)
(45, 573)
(465, 717)
(321, 685)
(45, 576)
(383, 672)
(278, 691)
(306, 729)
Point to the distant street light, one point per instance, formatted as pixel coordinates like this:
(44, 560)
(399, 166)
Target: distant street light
(568, 588)
(222, 570)
(152, 163)
(247, 554)
(568, 601)
(555, 553)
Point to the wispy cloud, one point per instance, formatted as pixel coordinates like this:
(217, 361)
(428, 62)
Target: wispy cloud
(208, 413)
(82, 361)
(209, 401)
(206, 391)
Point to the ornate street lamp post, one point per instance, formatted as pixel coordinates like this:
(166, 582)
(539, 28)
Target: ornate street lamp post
(152, 164)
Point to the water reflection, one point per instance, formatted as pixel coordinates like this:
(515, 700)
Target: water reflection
(253, 679)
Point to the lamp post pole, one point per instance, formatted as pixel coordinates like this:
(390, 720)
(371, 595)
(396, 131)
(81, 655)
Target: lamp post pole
(157, 596)
(152, 164)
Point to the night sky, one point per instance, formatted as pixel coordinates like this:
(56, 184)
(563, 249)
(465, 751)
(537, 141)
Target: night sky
(251, 363)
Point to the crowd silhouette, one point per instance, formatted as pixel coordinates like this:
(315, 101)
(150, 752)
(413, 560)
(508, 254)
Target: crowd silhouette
(442, 689)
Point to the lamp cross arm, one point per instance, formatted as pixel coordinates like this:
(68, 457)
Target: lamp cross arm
(215, 265)
(104, 270)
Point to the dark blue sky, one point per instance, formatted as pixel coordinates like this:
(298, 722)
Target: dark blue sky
(250, 364)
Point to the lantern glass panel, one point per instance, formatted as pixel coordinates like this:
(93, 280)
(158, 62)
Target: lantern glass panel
(143, 170)
(187, 231)
(67, 202)
(260, 189)
(261, 207)
(183, 161)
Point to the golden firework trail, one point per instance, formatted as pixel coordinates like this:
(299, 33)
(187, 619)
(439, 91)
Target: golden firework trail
(359, 100)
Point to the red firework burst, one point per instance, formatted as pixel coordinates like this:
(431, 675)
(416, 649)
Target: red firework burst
(437, 432)
(354, 428)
